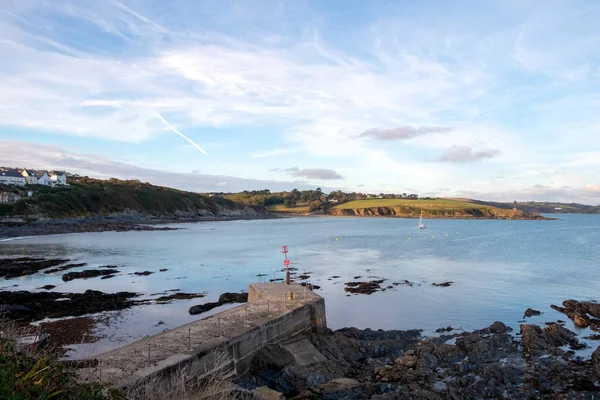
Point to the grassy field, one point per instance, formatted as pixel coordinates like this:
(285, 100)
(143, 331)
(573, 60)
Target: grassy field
(438, 204)
(301, 208)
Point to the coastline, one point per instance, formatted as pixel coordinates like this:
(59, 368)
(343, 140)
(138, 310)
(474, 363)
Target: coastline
(107, 224)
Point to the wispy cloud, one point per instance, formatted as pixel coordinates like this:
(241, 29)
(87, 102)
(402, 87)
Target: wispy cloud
(171, 127)
(465, 154)
(271, 153)
(403, 132)
(35, 155)
(313, 173)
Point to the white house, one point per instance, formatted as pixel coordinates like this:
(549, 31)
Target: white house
(58, 177)
(43, 178)
(12, 177)
(30, 177)
(6, 197)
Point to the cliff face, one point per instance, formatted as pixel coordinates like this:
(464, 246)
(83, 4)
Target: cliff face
(411, 212)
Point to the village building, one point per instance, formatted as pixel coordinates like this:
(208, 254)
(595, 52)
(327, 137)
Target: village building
(30, 177)
(8, 198)
(12, 177)
(43, 178)
(58, 177)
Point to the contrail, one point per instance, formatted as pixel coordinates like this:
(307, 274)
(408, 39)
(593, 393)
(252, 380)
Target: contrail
(171, 127)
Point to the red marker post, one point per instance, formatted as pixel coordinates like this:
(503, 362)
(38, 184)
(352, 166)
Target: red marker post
(286, 262)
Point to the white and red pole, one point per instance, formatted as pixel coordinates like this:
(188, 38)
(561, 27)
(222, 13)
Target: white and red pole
(286, 262)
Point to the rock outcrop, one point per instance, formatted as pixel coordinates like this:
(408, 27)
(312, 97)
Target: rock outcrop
(487, 363)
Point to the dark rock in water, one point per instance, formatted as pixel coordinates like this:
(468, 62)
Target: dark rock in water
(202, 308)
(233, 298)
(357, 277)
(47, 287)
(108, 276)
(335, 277)
(442, 330)
(276, 280)
(144, 273)
(64, 268)
(404, 282)
(31, 306)
(23, 266)
(537, 340)
(225, 298)
(303, 277)
(578, 312)
(310, 286)
(88, 273)
(163, 270)
(363, 287)
(179, 296)
(530, 312)
(443, 284)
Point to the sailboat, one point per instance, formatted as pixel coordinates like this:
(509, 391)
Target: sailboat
(421, 224)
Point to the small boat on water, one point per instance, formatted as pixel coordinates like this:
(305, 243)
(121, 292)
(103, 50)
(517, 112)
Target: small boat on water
(421, 224)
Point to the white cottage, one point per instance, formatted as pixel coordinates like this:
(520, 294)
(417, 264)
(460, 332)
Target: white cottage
(12, 177)
(58, 177)
(30, 177)
(43, 178)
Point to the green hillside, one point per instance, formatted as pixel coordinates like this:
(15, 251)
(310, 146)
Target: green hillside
(93, 197)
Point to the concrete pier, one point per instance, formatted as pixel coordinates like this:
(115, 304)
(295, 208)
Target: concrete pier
(275, 312)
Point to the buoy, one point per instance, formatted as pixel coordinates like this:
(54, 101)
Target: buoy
(337, 238)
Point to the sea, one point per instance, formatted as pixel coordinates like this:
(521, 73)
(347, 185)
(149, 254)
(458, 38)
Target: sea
(498, 269)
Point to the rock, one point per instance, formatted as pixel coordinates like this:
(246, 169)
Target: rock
(163, 270)
(303, 277)
(47, 287)
(233, 298)
(442, 330)
(88, 273)
(225, 298)
(530, 312)
(178, 296)
(537, 340)
(363, 287)
(264, 393)
(202, 308)
(440, 386)
(64, 268)
(144, 273)
(23, 266)
(108, 276)
(31, 306)
(406, 361)
(443, 284)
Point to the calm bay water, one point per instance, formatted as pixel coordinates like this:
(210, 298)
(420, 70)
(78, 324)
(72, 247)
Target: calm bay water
(499, 268)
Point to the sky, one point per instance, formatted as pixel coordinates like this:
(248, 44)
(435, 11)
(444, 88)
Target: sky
(495, 100)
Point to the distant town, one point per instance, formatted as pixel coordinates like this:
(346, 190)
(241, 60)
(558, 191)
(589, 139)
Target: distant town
(20, 177)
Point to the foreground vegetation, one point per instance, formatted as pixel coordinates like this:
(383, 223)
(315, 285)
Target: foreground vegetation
(26, 374)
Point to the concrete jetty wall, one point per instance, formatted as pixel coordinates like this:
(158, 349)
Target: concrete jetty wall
(223, 342)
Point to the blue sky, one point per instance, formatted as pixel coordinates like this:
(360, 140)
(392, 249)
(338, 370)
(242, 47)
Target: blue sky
(488, 99)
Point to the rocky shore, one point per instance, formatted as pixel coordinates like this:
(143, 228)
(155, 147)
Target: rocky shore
(491, 363)
(108, 224)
